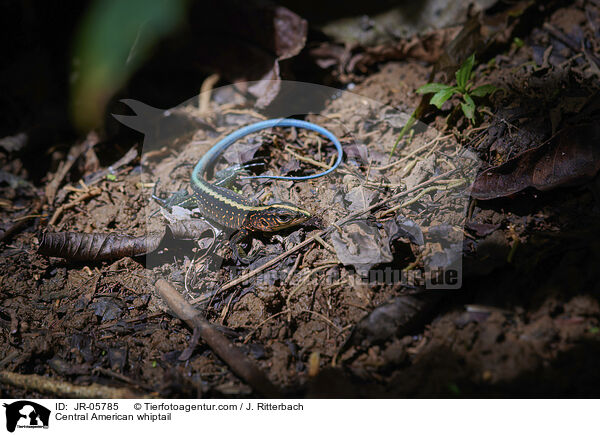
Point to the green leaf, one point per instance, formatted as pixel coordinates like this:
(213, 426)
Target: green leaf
(483, 90)
(468, 107)
(430, 88)
(454, 389)
(114, 39)
(440, 97)
(518, 42)
(405, 129)
(464, 72)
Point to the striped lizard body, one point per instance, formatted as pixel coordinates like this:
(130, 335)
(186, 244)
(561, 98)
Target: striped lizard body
(231, 210)
(236, 212)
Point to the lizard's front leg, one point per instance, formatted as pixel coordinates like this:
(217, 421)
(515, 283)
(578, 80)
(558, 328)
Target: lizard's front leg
(236, 249)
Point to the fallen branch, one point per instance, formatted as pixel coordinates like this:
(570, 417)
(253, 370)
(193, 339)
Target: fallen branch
(74, 154)
(60, 210)
(53, 388)
(231, 355)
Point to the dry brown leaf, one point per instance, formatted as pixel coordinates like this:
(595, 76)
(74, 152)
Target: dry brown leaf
(571, 158)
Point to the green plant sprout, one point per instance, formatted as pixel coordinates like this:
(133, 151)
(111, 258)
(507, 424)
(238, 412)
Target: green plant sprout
(443, 92)
(463, 88)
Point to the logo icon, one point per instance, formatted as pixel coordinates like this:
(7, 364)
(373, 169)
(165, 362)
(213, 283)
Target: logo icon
(26, 414)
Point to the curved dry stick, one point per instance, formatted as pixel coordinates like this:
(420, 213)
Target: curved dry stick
(19, 225)
(239, 363)
(54, 388)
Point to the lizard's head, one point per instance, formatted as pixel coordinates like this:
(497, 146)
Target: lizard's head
(277, 217)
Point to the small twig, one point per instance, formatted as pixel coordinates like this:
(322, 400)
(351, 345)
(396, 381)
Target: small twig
(451, 181)
(73, 189)
(206, 92)
(408, 168)
(9, 358)
(368, 172)
(120, 377)
(50, 387)
(412, 200)
(27, 217)
(324, 244)
(244, 112)
(156, 154)
(324, 318)
(269, 263)
(187, 354)
(455, 183)
(247, 338)
(293, 269)
(74, 153)
(557, 34)
(60, 210)
(323, 263)
(212, 244)
(307, 159)
(231, 355)
(226, 309)
(438, 138)
(19, 225)
(185, 277)
(512, 234)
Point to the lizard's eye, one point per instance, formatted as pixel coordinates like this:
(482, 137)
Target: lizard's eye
(284, 218)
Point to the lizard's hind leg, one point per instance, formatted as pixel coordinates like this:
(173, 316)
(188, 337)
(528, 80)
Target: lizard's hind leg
(180, 198)
(226, 177)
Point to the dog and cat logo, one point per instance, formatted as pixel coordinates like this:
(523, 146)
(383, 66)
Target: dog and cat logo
(26, 414)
